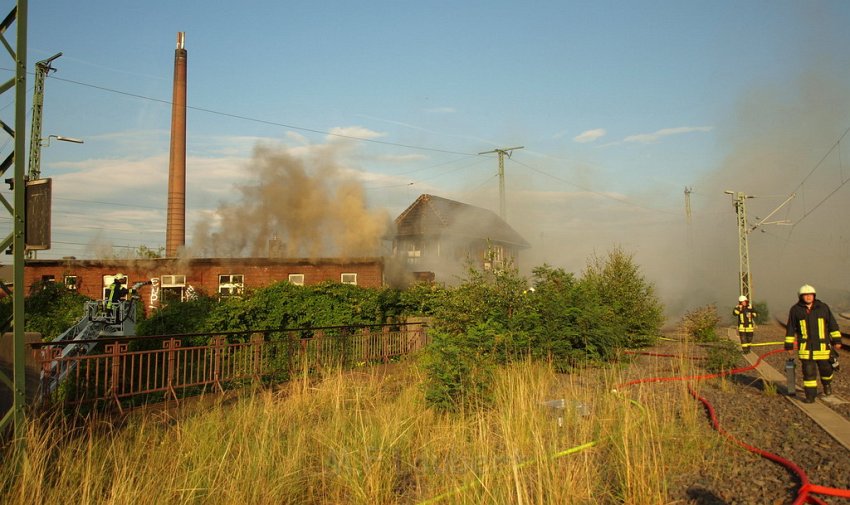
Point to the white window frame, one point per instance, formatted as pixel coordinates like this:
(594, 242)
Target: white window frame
(73, 285)
(231, 285)
(170, 283)
(296, 279)
(352, 281)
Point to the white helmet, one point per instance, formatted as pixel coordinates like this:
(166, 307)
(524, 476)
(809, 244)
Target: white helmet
(806, 289)
(742, 298)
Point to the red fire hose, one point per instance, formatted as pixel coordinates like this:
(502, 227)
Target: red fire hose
(807, 489)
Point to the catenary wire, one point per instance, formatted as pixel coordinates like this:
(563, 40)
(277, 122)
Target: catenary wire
(260, 121)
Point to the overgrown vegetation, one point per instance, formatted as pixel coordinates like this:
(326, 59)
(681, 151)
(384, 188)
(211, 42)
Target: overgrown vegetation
(492, 318)
(368, 438)
(701, 323)
(50, 309)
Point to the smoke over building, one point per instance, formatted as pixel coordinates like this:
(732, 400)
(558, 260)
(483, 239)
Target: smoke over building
(294, 206)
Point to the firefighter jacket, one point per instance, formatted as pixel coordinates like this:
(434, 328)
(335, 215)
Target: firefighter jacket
(815, 330)
(114, 294)
(746, 318)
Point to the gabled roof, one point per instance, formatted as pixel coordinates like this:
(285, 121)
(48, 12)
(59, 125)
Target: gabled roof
(433, 215)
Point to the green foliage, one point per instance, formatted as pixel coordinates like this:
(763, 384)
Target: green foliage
(491, 318)
(178, 317)
(50, 309)
(619, 285)
(722, 355)
(762, 313)
(280, 305)
(460, 371)
(701, 323)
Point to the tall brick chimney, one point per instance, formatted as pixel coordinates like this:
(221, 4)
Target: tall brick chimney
(175, 231)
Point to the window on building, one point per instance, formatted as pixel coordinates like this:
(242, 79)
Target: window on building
(495, 258)
(413, 253)
(48, 278)
(297, 279)
(230, 285)
(348, 279)
(70, 282)
(173, 288)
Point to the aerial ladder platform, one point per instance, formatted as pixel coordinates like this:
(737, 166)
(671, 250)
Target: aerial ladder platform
(98, 322)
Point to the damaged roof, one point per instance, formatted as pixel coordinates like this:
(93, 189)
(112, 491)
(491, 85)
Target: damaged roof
(434, 215)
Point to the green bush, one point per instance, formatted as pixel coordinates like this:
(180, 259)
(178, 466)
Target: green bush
(722, 355)
(460, 369)
(280, 305)
(632, 300)
(50, 309)
(762, 313)
(701, 324)
(564, 320)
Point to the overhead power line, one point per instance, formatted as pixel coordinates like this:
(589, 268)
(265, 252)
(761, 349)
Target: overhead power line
(837, 145)
(603, 195)
(261, 121)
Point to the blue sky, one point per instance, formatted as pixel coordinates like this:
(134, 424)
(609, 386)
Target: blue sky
(619, 105)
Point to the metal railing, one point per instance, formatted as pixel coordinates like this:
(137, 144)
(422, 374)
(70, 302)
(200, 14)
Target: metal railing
(128, 371)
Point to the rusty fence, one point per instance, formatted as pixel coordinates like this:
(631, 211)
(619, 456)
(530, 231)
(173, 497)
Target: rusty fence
(128, 371)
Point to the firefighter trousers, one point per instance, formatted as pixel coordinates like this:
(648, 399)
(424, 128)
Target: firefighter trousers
(811, 369)
(746, 339)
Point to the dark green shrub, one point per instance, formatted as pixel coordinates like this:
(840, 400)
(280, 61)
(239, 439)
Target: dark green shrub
(460, 369)
(762, 313)
(50, 309)
(632, 300)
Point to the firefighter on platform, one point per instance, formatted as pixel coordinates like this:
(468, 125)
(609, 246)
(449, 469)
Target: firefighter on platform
(116, 292)
(746, 322)
(813, 331)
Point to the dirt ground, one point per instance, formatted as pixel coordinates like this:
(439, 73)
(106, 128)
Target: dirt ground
(766, 420)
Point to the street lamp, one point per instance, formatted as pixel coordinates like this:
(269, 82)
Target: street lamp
(46, 142)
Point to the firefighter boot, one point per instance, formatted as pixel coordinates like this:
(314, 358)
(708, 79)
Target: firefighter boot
(811, 394)
(827, 389)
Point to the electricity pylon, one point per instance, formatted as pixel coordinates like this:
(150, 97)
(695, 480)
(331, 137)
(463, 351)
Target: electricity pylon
(745, 280)
(42, 68)
(502, 152)
(17, 84)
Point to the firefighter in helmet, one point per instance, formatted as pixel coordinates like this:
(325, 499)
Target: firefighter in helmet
(813, 331)
(116, 291)
(746, 322)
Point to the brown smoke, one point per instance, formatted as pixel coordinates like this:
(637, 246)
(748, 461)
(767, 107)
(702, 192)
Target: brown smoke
(306, 203)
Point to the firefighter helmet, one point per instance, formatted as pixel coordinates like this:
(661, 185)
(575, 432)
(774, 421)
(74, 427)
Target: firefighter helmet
(806, 289)
(742, 298)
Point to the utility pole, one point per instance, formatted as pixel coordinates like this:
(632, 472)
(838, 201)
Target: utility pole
(14, 242)
(745, 281)
(42, 68)
(502, 152)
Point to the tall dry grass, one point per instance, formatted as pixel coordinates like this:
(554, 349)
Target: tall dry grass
(367, 437)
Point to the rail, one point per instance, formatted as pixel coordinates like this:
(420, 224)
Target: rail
(129, 371)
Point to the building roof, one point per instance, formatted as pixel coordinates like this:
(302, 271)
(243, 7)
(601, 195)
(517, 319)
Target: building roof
(434, 215)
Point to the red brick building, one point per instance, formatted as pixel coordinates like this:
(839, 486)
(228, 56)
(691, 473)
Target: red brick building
(179, 279)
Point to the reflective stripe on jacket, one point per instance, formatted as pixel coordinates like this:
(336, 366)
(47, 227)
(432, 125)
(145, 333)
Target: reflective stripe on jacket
(814, 330)
(746, 318)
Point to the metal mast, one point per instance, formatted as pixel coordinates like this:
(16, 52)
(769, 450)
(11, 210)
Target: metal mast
(746, 287)
(502, 152)
(42, 68)
(18, 83)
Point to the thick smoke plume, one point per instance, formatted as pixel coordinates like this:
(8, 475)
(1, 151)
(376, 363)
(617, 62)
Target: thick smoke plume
(775, 138)
(296, 206)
